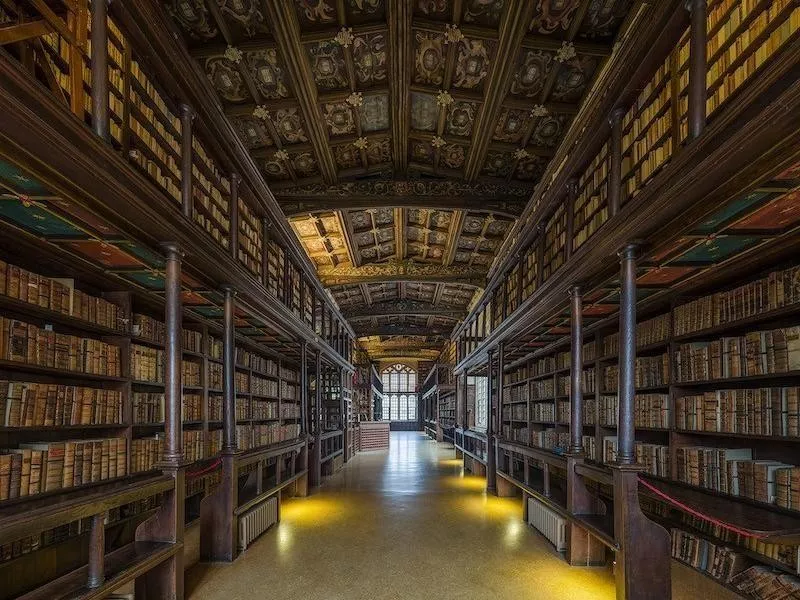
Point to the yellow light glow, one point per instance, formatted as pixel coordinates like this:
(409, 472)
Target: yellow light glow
(452, 462)
(466, 482)
(284, 537)
(312, 511)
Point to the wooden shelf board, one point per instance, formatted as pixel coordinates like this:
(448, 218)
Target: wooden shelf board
(10, 365)
(121, 566)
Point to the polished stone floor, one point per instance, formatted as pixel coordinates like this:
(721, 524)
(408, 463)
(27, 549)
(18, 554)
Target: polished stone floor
(404, 524)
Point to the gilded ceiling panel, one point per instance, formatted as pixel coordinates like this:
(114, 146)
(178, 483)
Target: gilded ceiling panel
(461, 118)
(375, 113)
(315, 13)
(421, 152)
(339, 118)
(424, 112)
(226, 79)
(253, 132)
(498, 164)
(434, 9)
(530, 168)
(362, 11)
(483, 12)
(512, 125)
(267, 73)
(289, 124)
(243, 18)
(554, 16)
(549, 130)
(429, 58)
(370, 59)
(194, 17)
(603, 18)
(327, 65)
(379, 152)
(453, 156)
(533, 67)
(573, 77)
(472, 63)
(347, 156)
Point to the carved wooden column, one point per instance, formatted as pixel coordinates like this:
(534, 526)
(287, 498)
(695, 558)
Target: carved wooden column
(301, 489)
(626, 454)
(173, 358)
(582, 548)
(100, 68)
(615, 161)
(491, 466)
(187, 117)
(167, 525)
(576, 373)
(97, 552)
(233, 238)
(639, 575)
(229, 373)
(697, 67)
(316, 456)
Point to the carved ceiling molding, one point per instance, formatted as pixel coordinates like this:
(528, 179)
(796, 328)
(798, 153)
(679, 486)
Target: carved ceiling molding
(403, 307)
(409, 188)
(429, 332)
(401, 270)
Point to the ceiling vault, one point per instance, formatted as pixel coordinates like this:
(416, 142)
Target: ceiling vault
(401, 138)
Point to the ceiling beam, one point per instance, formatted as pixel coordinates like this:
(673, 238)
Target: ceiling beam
(401, 329)
(310, 204)
(512, 30)
(24, 31)
(456, 225)
(400, 41)
(419, 354)
(286, 29)
(401, 271)
(403, 307)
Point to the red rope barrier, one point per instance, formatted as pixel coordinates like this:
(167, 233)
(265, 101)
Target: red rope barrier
(205, 470)
(699, 515)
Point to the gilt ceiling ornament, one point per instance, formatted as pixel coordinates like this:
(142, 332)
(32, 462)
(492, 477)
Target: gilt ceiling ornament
(281, 155)
(233, 54)
(521, 153)
(443, 98)
(565, 52)
(539, 110)
(355, 99)
(261, 112)
(437, 142)
(345, 37)
(452, 34)
(361, 143)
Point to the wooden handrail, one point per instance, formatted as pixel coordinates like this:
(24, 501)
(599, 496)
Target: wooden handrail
(40, 514)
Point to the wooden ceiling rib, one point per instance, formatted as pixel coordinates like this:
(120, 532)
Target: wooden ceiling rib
(402, 138)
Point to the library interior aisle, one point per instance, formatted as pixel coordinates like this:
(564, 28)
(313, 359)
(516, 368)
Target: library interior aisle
(487, 298)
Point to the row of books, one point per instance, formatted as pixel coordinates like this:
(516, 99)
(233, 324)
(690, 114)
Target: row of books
(649, 371)
(250, 241)
(752, 44)
(720, 562)
(242, 382)
(516, 434)
(756, 353)
(150, 408)
(591, 205)
(759, 411)
(154, 330)
(215, 376)
(289, 391)
(264, 410)
(256, 362)
(254, 436)
(650, 410)
(649, 332)
(516, 393)
(589, 411)
(264, 387)
(654, 457)
(290, 411)
(50, 537)
(26, 343)
(590, 447)
(784, 554)
(777, 290)
(762, 583)
(515, 412)
(734, 472)
(58, 295)
(548, 364)
(37, 467)
(147, 452)
(543, 389)
(542, 412)
(550, 439)
(28, 404)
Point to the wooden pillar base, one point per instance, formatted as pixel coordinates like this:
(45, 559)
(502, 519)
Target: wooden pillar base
(504, 488)
(167, 525)
(315, 464)
(583, 549)
(643, 569)
(218, 523)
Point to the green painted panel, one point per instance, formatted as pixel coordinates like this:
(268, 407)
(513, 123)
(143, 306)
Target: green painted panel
(734, 208)
(717, 249)
(152, 281)
(21, 182)
(37, 219)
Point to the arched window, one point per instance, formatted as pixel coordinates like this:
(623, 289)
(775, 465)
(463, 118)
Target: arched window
(399, 388)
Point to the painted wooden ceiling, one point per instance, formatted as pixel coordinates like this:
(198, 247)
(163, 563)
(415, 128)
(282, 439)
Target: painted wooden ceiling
(401, 137)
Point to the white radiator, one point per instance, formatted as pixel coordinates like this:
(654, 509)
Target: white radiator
(549, 523)
(256, 521)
